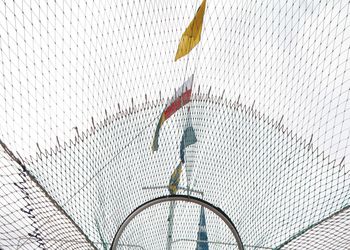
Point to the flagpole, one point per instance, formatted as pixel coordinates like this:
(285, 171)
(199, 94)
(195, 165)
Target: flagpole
(173, 204)
(188, 57)
(196, 60)
(171, 211)
(170, 224)
(195, 67)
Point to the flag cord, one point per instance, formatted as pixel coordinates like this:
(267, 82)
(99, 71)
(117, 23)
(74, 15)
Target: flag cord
(172, 206)
(193, 84)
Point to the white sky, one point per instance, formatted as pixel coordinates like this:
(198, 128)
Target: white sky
(63, 63)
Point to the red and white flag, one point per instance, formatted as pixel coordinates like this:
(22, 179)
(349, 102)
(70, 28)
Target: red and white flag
(181, 98)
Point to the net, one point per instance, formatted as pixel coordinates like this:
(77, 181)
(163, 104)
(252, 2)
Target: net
(83, 86)
(30, 219)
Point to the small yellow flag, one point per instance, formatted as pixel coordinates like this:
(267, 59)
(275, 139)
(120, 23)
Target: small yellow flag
(192, 35)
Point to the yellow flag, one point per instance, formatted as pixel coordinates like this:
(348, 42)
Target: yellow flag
(175, 179)
(192, 35)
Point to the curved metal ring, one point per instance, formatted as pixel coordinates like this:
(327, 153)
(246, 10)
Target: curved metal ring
(186, 198)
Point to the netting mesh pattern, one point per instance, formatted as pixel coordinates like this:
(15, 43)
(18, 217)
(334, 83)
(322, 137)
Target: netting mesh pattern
(29, 220)
(332, 233)
(185, 228)
(82, 86)
(270, 182)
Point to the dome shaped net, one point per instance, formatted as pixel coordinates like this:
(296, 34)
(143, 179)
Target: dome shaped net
(83, 87)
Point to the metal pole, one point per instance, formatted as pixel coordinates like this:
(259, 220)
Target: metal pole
(171, 210)
(170, 225)
(179, 188)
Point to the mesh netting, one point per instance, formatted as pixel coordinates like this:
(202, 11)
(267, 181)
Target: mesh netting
(30, 219)
(83, 85)
(184, 236)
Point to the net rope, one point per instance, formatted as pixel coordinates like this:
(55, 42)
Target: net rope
(83, 84)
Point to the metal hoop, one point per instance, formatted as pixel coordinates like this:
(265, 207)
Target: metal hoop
(186, 198)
